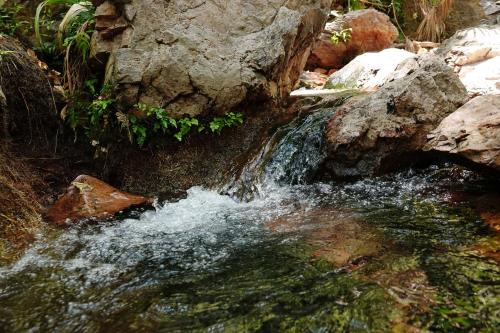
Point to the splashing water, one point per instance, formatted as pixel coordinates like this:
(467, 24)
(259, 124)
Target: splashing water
(211, 262)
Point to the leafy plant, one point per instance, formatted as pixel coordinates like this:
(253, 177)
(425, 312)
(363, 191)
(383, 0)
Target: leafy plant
(229, 120)
(90, 110)
(42, 22)
(150, 120)
(9, 19)
(341, 36)
(71, 44)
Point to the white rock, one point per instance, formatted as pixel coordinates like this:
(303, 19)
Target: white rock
(370, 70)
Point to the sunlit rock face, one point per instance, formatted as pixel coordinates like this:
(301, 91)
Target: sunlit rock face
(370, 70)
(474, 54)
(471, 132)
(196, 56)
(376, 133)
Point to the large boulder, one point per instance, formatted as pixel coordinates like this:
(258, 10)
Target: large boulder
(475, 55)
(90, 198)
(376, 133)
(196, 56)
(472, 132)
(371, 30)
(369, 70)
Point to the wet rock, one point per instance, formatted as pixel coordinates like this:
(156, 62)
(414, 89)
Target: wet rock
(371, 31)
(196, 56)
(90, 198)
(475, 55)
(383, 131)
(472, 132)
(369, 70)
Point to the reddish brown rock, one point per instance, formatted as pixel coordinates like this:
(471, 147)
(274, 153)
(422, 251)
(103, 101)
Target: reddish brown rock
(108, 22)
(88, 197)
(488, 207)
(371, 31)
(106, 10)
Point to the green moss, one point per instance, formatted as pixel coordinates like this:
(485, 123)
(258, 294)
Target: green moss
(469, 290)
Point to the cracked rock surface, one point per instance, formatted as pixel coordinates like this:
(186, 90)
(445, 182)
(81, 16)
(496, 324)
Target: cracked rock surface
(198, 56)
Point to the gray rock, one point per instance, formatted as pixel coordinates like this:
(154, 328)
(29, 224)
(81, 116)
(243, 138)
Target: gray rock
(379, 132)
(196, 56)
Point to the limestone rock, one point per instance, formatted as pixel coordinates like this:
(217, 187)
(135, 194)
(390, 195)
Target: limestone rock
(473, 132)
(369, 70)
(475, 55)
(371, 31)
(90, 198)
(376, 133)
(196, 56)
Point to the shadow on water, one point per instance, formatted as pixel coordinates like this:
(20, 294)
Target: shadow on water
(280, 253)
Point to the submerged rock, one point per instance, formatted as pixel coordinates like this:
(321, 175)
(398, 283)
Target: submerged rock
(194, 56)
(371, 31)
(335, 236)
(88, 197)
(475, 55)
(472, 132)
(376, 133)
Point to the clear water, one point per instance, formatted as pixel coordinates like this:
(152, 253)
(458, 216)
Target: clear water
(378, 255)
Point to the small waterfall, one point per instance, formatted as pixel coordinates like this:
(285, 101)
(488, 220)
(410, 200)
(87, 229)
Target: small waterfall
(292, 156)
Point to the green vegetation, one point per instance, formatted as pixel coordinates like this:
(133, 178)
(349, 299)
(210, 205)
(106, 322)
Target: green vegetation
(91, 110)
(10, 22)
(156, 119)
(66, 45)
(341, 36)
(96, 114)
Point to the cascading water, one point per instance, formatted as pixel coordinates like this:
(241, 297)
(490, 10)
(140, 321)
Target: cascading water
(292, 156)
(211, 262)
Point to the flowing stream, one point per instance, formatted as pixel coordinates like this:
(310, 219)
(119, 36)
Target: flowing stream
(274, 250)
